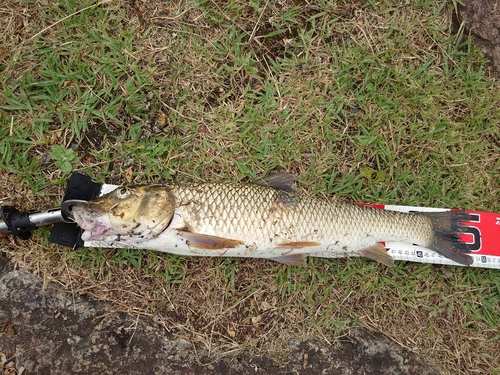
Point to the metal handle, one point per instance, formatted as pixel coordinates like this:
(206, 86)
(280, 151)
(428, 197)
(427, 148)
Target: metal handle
(22, 223)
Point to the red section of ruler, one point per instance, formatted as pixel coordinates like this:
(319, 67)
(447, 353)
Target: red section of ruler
(483, 233)
(376, 205)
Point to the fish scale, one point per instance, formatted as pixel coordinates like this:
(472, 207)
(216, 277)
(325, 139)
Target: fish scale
(243, 210)
(267, 219)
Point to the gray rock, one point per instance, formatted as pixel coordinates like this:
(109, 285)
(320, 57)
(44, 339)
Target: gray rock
(482, 20)
(52, 332)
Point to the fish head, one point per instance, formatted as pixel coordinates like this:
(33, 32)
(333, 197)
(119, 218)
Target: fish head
(136, 213)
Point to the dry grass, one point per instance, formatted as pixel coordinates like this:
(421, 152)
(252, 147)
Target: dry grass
(378, 103)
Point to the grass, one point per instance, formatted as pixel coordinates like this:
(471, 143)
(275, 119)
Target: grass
(375, 102)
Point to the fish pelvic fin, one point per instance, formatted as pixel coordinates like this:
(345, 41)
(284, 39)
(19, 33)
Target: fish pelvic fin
(298, 260)
(379, 253)
(447, 231)
(207, 242)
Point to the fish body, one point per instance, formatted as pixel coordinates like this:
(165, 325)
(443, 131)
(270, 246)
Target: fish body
(268, 219)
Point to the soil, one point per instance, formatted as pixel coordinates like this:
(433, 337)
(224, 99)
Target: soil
(482, 20)
(50, 331)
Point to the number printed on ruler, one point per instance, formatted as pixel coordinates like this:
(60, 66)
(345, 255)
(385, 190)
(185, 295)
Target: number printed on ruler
(472, 236)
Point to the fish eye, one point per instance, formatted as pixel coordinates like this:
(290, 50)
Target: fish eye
(122, 193)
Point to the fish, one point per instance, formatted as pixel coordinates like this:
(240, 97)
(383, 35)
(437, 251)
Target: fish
(267, 218)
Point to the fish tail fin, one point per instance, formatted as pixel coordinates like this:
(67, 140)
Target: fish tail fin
(447, 229)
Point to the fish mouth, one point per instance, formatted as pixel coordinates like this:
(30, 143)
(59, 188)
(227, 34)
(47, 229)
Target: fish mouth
(93, 229)
(67, 208)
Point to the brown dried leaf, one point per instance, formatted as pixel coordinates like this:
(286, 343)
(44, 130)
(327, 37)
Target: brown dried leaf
(256, 319)
(265, 306)
(128, 175)
(231, 332)
(3, 54)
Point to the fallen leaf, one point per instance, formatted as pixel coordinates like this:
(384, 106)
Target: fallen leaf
(162, 119)
(265, 306)
(3, 55)
(129, 175)
(256, 319)
(231, 332)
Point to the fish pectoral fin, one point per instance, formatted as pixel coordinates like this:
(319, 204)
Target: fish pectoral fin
(297, 245)
(280, 181)
(207, 242)
(299, 260)
(379, 253)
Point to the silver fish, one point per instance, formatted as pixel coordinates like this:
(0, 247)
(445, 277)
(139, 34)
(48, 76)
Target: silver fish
(266, 219)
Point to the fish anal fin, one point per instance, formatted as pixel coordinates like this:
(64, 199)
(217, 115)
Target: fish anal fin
(280, 181)
(297, 245)
(298, 260)
(379, 253)
(208, 242)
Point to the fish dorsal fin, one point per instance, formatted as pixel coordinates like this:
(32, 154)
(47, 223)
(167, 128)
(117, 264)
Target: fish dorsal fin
(299, 260)
(379, 253)
(281, 181)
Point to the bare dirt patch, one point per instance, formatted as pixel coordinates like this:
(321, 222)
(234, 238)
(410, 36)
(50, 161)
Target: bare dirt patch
(48, 331)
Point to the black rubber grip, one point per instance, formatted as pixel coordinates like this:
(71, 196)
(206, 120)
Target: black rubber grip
(18, 222)
(79, 187)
